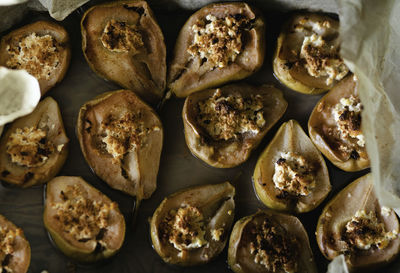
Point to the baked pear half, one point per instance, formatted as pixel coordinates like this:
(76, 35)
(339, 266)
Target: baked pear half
(353, 223)
(121, 139)
(223, 125)
(269, 241)
(34, 148)
(15, 251)
(335, 127)
(191, 227)
(83, 223)
(307, 57)
(219, 43)
(291, 174)
(41, 48)
(123, 43)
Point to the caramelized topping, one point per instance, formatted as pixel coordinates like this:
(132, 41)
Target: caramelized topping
(7, 244)
(38, 55)
(226, 117)
(120, 37)
(28, 147)
(184, 228)
(218, 40)
(294, 174)
(81, 217)
(320, 56)
(364, 231)
(274, 248)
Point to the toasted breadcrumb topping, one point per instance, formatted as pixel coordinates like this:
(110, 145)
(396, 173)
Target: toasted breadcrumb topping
(120, 37)
(364, 231)
(38, 55)
(227, 117)
(218, 40)
(7, 244)
(123, 134)
(29, 147)
(274, 248)
(217, 233)
(82, 218)
(294, 174)
(321, 57)
(184, 228)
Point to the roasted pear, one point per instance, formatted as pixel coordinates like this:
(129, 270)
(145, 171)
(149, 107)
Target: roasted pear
(223, 125)
(335, 127)
(191, 227)
(219, 43)
(122, 42)
(84, 223)
(41, 48)
(356, 225)
(15, 252)
(270, 242)
(307, 56)
(291, 174)
(34, 148)
(121, 139)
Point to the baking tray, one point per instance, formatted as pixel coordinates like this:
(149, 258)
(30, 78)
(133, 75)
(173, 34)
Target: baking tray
(178, 167)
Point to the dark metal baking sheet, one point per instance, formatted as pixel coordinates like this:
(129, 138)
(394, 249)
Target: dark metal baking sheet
(178, 168)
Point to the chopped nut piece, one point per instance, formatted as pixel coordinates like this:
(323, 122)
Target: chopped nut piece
(320, 55)
(294, 174)
(184, 228)
(347, 115)
(274, 248)
(219, 40)
(120, 37)
(28, 147)
(226, 117)
(36, 54)
(81, 217)
(217, 233)
(364, 231)
(7, 244)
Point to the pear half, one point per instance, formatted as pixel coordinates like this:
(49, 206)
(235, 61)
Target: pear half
(290, 138)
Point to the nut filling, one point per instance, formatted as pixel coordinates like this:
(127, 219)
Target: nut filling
(318, 53)
(294, 174)
(120, 37)
(38, 55)
(81, 217)
(364, 231)
(218, 41)
(185, 228)
(273, 248)
(7, 243)
(29, 147)
(227, 117)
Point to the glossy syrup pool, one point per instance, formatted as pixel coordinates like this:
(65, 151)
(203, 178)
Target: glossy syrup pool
(178, 168)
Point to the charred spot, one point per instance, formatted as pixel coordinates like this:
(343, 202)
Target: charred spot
(280, 161)
(207, 121)
(283, 195)
(354, 155)
(204, 60)
(83, 240)
(41, 151)
(6, 261)
(223, 106)
(63, 196)
(289, 65)
(42, 141)
(215, 40)
(5, 173)
(28, 176)
(24, 153)
(99, 248)
(124, 173)
(138, 10)
(88, 125)
(101, 234)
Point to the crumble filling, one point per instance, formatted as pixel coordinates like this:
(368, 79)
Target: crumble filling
(120, 37)
(38, 55)
(29, 147)
(227, 117)
(218, 40)
(7, 244)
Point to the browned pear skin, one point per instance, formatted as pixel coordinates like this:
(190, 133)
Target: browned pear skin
(84, 252)
(143, 71)
(217, 205)
(47, 116)
(185, 77)
(147, 158)
(228, 154)
(358, 195)
(18, 262)
(290, 138)
(322, 118)
(241, 260)
(41, 28)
